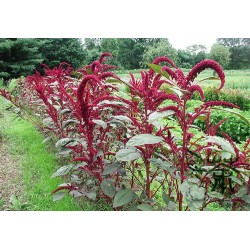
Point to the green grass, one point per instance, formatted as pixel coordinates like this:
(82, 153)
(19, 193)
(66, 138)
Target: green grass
(235, 79)
(37, 165)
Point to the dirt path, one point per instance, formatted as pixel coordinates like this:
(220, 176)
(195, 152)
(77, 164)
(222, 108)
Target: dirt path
(10, 177)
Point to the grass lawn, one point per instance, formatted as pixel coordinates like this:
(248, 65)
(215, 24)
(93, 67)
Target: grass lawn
(37, 165)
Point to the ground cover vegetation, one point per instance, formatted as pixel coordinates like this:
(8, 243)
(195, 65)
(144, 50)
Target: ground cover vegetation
(136, 144)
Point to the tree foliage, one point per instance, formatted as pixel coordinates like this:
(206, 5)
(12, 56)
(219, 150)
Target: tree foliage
(221, 54)
(57, 50)
(240, 51)
(161, 47)
(19, 57)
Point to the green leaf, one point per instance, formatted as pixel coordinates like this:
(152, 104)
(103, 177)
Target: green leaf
(100, 123)
(225, 155)
(14, 200)
(2, 202)
(65, 111)
(171, 206)
(235, 179)
(122, 118)
(113, 81)
(91, 195)
(69, 122)
(58, 196)
(143, 139)
(193, 195)
(209, 79)
(145, 207)
(214, 194)
(48, 121)
(123, 196)
(201, 117)
(157, 115)
(165, 198)
(63, 170)
(111, 168)
(64, 142)
(49, 138)
(225, 145)
(156, 68)
(235, 113)
(165, 165)
(108, 188)
(128, 154)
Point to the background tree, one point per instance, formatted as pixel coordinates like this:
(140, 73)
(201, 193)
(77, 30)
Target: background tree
(185, 59)
(158, 48)
(221, 54)
(19, 57)
(57, 50)
(240, 51)
(198, 52)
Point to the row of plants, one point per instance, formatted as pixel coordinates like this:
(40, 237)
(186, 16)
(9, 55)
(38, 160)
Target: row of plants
(135, 143)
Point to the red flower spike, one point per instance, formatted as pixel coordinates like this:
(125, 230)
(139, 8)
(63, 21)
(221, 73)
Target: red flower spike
(206, 64)
(169, 71)
(103, 55)
(80, 91)
(219, 103)
(164, 59)
(173, 108)
(197, 88)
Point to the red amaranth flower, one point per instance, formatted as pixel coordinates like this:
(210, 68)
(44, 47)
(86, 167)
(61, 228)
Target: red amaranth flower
(197, 88)
(103, 55)
(219, 103)
(206, 64)
(173, 108)
(164, 59)
(80, 91)
(169, 71)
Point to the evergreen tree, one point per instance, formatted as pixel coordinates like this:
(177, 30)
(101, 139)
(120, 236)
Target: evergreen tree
(19, 57)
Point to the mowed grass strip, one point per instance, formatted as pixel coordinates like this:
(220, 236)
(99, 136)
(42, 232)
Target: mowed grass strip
(37, 166)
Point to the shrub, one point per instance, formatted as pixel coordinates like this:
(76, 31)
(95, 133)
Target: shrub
(234, 126)
(229, 95)
(119, 148)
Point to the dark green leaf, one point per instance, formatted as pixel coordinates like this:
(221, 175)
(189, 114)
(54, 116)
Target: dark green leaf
(214, 194)
(145, 207)
(165, 165)
(69, 122)
(108, 188)
(111, 168)
(123, 196)
(64, 142)
(165, 197)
